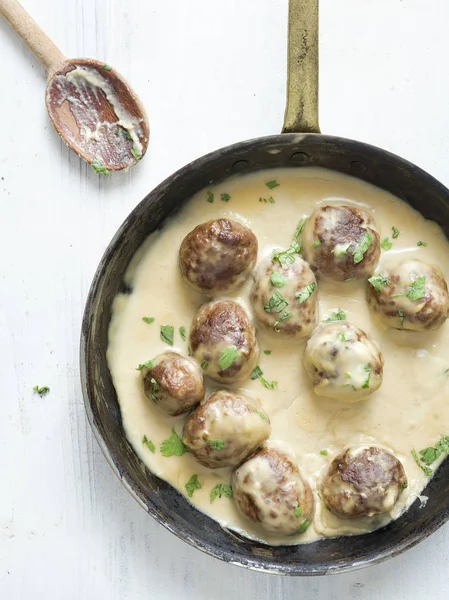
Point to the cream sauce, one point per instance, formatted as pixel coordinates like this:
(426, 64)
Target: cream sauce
(408, 411)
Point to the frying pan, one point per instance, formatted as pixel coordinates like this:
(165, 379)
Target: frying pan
(300, 145)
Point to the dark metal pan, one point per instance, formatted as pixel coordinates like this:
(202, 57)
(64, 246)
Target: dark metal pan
(300, 144)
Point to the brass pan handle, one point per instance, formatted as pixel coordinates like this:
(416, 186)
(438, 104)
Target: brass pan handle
(301, 112)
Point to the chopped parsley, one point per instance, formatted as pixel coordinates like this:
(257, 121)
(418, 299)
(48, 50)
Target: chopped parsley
(148, 320)
(316, 244)
(221, 489)
(297, 511)
(41, 390)
(341, 250)
(192, 485)
(154, 389)
(210, 197)
(146, 365)
(106, 67)
(227, 357)
(98, 166)
(225, 197)
(136, 155)
(183, 333)
(365, 384)
(267, 351)
(269, 201)
(379, 281)
(287, 257)
(400, 315)
(277, 280)
(304, 526)
(430, 455)
(260, 413)
(215, 444)
(324, 452)
(342, 337)
(124, 133)
(422, 244)
(338, 315)
(173, 446)
(276, 303)
(149, 444)
(258, 374)
(204, 364)
(305, 294)
(362, 247)
(272, 184)
(404, 485)
(167, 334)
(385, 244)
(396, 232)
(300, 227)
(417, 288)
(284, 317)
(427, 472)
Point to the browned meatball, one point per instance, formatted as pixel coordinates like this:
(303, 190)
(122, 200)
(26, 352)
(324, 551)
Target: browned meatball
(223, 340)
(284, 298)
(217, 256)
(363, 482)
(409, 295)
(269, 490)
(341, 242)
(173, 382)
(225, 429)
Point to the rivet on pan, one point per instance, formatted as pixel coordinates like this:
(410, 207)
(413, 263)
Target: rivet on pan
(358, 166)
(240, 165)
(300, 156)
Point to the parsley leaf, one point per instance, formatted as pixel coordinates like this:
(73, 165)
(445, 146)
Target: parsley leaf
(215, 444)
(300, 227)
(124, 133)
(41, 390)
(225, 197)
(276, 303)
(183, 333)
(98, 166)
(367, 370)
(149, 444)
(428, 472)
(221, 489)
(284, 317)
(192, 485)
(404, 485)
(378, 281)
(106, 67)
(154, 389)
(148, 320)
(316, 244)
(430, 455)
(204, 364)
(136, 155)
(338, 315)
(227, 357)
(167, 334)
(417, 288)
(324, 452)
(210, 197)
(396, 232)
(304, 295)
(400, 318)
(362, 247)
(272, 184)
(340, 250)
(146, 365)
(260, 413)
(257, 373)
(173, 446)
(385, 244)
(297, 512)
(267, 351)
(304, 526)
(277, 280)
(422, 244)
(286, 257)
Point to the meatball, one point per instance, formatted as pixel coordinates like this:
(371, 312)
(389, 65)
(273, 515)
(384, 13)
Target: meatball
(363, 482)
(223, 340)
(284, 297)
(173, 382)
(343, 362)
(217, 256)
(341, 242)
(409, 295)
(268, 489)
(225, 429)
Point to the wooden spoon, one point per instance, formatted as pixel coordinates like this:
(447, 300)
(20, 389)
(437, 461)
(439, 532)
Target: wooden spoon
(91, 106)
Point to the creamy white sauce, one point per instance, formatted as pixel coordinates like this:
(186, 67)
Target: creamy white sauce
(88, 81)
(408, 411)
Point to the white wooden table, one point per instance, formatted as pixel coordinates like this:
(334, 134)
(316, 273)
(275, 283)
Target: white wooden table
(210, 72)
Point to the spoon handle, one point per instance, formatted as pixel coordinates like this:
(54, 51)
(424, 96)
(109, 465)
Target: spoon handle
(31, 34)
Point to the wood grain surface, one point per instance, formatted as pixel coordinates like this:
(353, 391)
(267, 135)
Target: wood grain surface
(209, 73)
